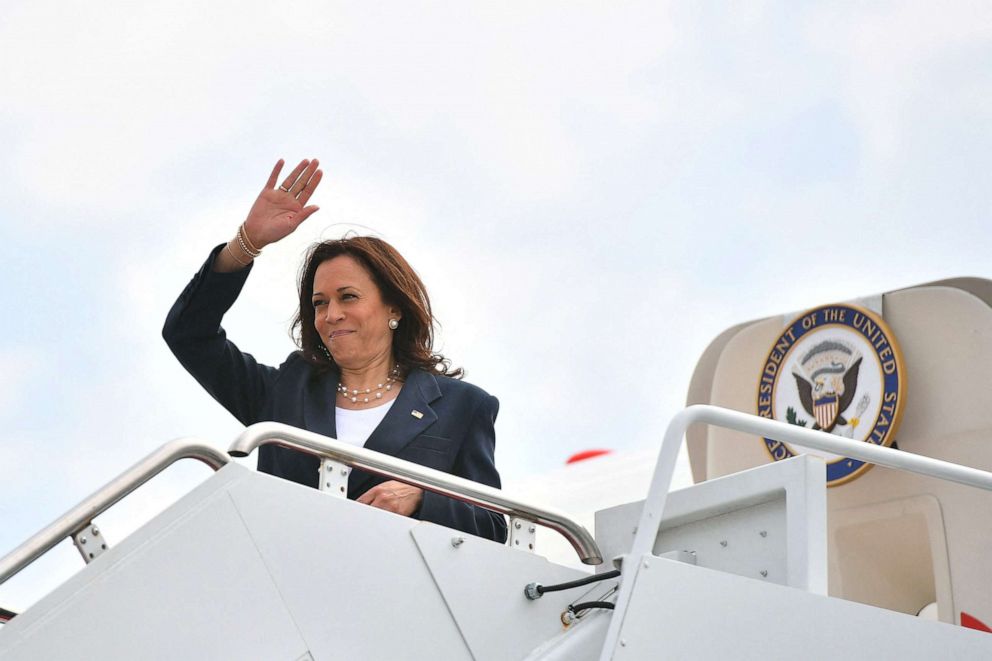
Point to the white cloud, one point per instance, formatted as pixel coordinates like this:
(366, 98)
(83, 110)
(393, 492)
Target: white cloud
(23, 368)
(896, 56)
(108, 108)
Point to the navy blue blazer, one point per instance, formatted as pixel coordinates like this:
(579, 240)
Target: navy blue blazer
(455, 433)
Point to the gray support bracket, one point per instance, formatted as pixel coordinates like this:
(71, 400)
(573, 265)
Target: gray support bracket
(90, 542)
(334, 477)
(523, 534)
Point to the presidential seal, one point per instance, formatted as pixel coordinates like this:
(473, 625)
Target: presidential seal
(838, 369)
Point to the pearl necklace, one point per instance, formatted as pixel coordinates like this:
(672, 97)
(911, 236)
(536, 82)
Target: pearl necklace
(360, 394)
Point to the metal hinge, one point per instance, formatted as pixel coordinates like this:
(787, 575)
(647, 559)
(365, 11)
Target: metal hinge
(523, 534)
(90, 542)
(334, 477)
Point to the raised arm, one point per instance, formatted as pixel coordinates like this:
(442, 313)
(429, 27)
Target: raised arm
(193, 327)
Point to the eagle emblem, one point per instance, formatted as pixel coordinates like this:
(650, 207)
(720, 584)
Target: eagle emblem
(827, 380)
(835, 368)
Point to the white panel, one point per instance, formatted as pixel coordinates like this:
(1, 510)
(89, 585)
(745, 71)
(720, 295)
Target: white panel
(678, 611)
(748, 542)
(483, 585)
(188, 585)
(769, 519)
(350, 574)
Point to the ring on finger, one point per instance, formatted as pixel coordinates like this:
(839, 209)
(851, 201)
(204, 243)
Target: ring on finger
(284, 189)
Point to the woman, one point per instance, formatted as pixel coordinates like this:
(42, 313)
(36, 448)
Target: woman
(365, 372)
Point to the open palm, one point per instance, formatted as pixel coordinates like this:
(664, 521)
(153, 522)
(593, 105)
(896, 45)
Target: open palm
(277, 212)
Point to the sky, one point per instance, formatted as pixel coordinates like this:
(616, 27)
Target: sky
(591, 192)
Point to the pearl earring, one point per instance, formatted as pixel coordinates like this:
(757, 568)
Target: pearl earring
(394, 324)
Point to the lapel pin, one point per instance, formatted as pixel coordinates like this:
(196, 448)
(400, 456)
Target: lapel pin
(417, 414)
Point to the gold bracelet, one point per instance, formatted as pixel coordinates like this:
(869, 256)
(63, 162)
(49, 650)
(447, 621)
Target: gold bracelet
(246, 243)
(244, 233)
(231, 253)
(244, 248)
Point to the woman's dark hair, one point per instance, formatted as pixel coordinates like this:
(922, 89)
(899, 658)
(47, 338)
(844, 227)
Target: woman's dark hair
(399, 285)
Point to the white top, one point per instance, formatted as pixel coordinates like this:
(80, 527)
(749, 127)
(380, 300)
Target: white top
(355, 427)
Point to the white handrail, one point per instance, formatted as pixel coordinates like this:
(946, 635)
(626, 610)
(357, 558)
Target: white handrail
(654, 504)
(106, 496)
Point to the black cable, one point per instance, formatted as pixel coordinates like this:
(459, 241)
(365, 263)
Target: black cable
(586, 605)
(541, 589)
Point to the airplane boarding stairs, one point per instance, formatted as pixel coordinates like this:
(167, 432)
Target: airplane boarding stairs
(248, 566)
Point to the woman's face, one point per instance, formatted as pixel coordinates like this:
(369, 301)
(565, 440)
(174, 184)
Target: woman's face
(350, 315)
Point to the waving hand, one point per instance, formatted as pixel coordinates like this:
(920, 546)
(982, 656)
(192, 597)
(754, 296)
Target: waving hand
(277, 212)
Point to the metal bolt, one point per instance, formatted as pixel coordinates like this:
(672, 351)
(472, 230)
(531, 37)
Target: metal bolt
(344, 471)
(330, 468)
(516, 525)
(646, 565)
(623, 642)
(457, 541)
(531, 529)
(763, 533)
(95, 530)
(764, 573)
(723, 543)
(82, 540)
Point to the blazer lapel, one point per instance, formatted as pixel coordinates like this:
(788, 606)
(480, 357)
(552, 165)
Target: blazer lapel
(402, 423)
(319, 403)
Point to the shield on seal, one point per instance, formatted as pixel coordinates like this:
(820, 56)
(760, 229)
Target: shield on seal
(826, 409)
